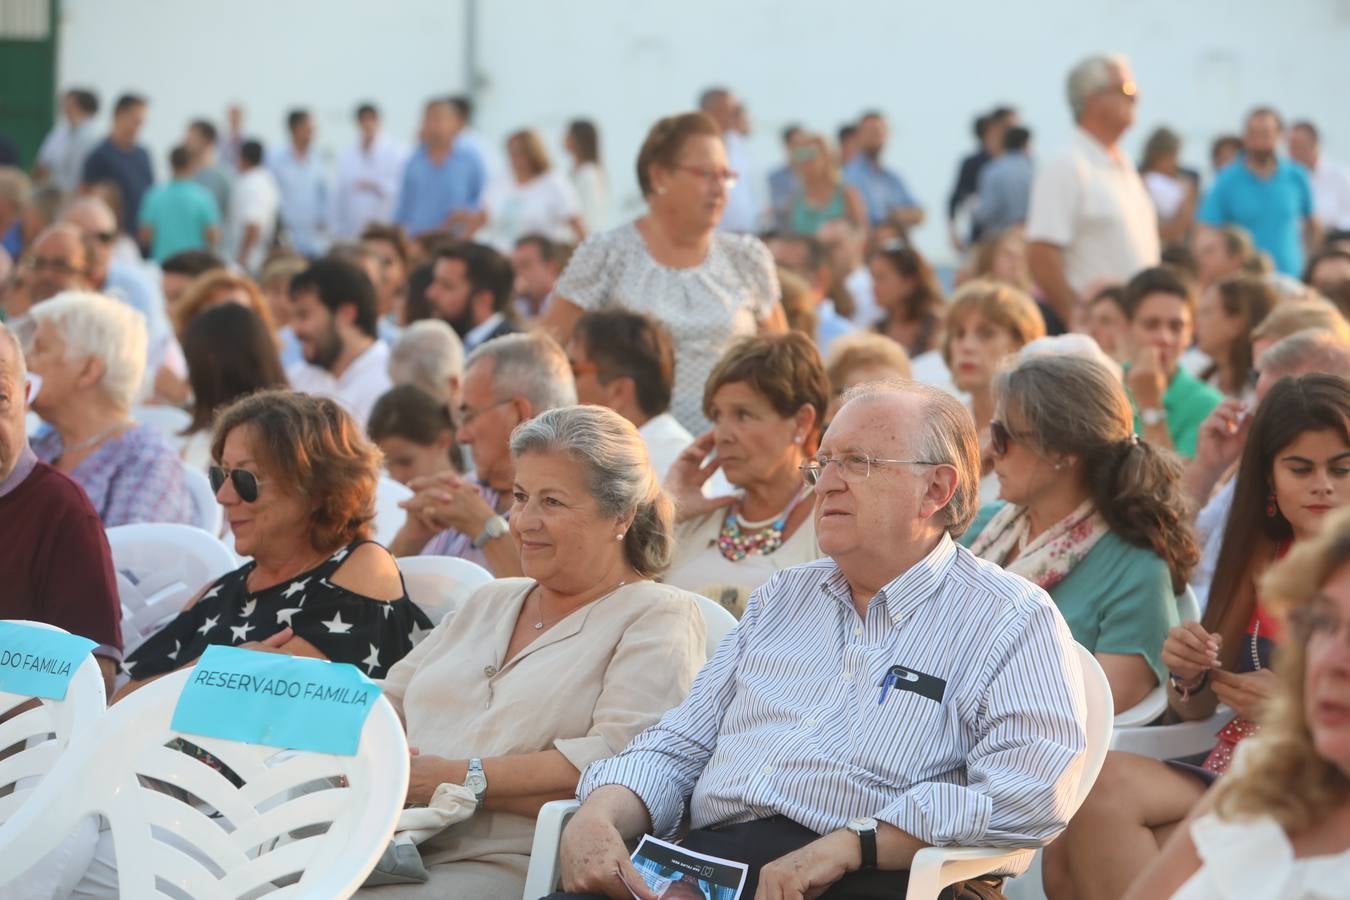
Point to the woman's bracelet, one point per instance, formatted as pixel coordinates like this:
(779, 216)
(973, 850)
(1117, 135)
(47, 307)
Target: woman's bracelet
(1184, 690)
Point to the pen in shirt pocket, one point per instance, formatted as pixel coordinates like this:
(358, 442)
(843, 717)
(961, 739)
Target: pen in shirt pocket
(886, 684)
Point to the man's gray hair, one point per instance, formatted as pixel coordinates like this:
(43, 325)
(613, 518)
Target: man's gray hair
(617, 472)
(16, 348)
(1090, 76)
(93, 325)
(1303, 352)
(427, 355)
(531, 366)
(948, 436)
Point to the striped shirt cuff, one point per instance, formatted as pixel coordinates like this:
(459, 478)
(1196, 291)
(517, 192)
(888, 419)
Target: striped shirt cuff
(944, 815)
(639, 772)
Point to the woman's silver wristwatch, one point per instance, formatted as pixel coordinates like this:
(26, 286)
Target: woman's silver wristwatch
(476, 779)
(494, 528)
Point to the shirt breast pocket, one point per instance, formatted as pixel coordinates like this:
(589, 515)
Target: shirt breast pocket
(906, 738)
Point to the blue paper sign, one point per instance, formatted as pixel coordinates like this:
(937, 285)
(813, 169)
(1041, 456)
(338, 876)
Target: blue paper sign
(39, 662)
(290, 702)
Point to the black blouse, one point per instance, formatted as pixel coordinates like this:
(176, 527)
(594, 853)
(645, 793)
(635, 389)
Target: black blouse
(345, 627)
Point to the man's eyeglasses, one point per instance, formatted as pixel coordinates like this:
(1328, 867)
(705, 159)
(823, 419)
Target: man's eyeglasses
(853, 467)
(245, 482)
(59, 266)
(727, 177)
(105, 237)
(467, 415)
(1000, 436)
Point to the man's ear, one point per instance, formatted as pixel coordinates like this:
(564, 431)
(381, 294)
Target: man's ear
(621, 392)
(941, 488)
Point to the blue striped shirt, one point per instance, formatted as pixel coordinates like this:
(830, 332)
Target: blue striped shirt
(785, 719)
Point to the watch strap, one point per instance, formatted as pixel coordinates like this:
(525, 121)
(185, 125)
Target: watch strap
(868, 839)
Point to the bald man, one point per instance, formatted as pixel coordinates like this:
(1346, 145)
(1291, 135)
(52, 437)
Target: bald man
(57, 261)
(55, 563)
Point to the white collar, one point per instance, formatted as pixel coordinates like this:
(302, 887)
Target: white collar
(477, 334)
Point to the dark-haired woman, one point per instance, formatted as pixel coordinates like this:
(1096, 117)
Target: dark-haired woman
(707, 287)
(1295, 469)
(414, 432)
(582, 143)
(907, 289)
(1092, 515)
(230, 354)
(1225, 315)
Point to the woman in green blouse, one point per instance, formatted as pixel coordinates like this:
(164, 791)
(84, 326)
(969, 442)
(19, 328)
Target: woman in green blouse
(1092, 514)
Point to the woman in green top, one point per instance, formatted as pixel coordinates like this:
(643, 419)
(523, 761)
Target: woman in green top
(821, 193)
(1094, 515)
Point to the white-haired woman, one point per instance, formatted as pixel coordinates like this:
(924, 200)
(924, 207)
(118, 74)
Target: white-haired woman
(532, 679)
(90, 352)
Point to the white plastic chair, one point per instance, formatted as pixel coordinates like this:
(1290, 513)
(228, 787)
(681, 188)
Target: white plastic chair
(717, 621)
(934, 868)
(389, 516)
(439, 584)
(169, 421)
(265, 831)
(210, 517)
(1155, 704)
(160, 567)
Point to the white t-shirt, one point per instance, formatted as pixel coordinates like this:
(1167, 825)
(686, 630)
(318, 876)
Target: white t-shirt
(1095, 207)
(666, 439)
(1167, 193)
(356, 389)
(593, 191)
(1331, 194)
(367, 186)
(255, 201)
(545, 204)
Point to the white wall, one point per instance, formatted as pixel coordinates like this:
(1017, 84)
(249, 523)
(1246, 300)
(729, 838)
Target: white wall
(930, 66)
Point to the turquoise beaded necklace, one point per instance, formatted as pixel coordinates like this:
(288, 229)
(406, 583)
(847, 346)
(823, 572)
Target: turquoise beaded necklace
(738, 538)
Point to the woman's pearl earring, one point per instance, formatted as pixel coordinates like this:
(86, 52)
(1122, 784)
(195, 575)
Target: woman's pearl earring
(619, 536)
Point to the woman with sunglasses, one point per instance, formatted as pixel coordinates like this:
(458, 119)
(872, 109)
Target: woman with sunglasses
(1279, 825)
(1295, 470)
(821, 194)
(297, 480)
(1092, 514)
(766, 399)
(706, 287)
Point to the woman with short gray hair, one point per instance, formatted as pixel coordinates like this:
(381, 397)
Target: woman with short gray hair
(90, 351)
(1091, 513)
(531, 679)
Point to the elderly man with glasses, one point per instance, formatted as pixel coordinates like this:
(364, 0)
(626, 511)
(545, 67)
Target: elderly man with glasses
(507, 380)
(898, 694)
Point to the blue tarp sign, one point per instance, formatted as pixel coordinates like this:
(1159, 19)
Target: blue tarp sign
(38, 662)
(276, 700)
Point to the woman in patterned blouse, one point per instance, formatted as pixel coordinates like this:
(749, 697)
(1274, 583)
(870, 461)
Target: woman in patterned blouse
(297, 480)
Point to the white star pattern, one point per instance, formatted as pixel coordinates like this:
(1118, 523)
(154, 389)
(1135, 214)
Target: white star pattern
(208, 625)
(177, 647)
(247, 611)
(385, 607)
(284, 615)
(211, 593)
(372, 662)
(336, 625)
(295, 588)
(240, 632)
(340, 555)
(128, 665)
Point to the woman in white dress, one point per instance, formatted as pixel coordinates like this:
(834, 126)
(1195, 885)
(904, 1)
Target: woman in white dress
(707, 288)
(582, 143)
(1278, 826)
(531, 198)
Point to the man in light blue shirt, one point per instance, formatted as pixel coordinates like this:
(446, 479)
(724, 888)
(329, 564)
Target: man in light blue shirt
(884, 192)
(304, 191)
(181, 215)
(895, 694)
(1004, 185)
(1270, 197)
(445, 175)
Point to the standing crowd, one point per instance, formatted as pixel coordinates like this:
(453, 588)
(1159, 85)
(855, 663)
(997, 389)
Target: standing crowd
(1120, 426)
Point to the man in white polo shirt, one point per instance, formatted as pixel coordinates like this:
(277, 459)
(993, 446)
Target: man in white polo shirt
(1091, 218)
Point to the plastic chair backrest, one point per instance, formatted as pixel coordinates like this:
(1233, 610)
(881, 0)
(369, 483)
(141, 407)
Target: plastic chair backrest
(167, 420)
(166, 564)
(1100, 720)
(717, 620)
(438, 584)
(44, 731)
(389, 516)
(1188, 607)
(322, 819)
(209, 514)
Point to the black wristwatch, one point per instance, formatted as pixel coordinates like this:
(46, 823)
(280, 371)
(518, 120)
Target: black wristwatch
(866, 830)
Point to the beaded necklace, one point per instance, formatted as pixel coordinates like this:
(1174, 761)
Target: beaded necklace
(740, 538)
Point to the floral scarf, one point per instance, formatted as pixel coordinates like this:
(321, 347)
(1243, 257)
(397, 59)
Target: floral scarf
(1048, 559)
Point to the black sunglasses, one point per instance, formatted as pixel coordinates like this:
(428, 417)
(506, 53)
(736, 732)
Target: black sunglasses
(245, 482)
(1000, 436)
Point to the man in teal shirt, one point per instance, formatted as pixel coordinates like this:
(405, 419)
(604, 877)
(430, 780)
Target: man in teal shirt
(1270, 197)
(1169, 402)
(181, 215)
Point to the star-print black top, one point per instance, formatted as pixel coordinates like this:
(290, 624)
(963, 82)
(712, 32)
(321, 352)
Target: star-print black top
(345, 627)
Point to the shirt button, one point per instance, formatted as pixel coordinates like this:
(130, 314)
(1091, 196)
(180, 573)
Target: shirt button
(847, 676)
(489, 671)
(857, 630)
(768, 770)
(810, 723)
